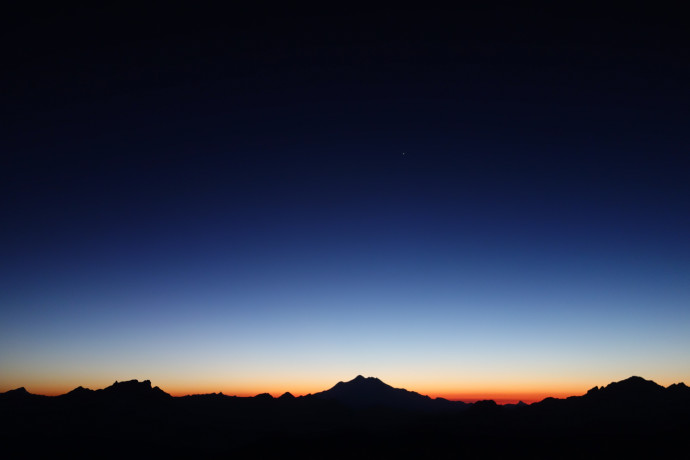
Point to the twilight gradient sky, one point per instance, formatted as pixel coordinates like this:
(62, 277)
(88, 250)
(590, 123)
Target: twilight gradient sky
(220, 202)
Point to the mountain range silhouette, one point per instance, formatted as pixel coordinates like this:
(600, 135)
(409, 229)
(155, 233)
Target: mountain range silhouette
(365, 392)
(635, 416)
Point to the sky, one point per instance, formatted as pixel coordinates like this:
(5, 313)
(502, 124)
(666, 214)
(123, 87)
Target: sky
(488, 202)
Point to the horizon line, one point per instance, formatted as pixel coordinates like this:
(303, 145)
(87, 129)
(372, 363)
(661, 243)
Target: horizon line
(500, 397)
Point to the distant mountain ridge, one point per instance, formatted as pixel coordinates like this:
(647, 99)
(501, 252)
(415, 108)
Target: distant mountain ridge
(363, 392)
(127, 390)
(628, 391)
(632, 384)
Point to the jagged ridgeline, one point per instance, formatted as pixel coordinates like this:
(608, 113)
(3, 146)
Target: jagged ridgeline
(361, 415)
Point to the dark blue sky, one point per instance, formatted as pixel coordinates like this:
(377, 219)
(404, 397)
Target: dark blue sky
(284, 196)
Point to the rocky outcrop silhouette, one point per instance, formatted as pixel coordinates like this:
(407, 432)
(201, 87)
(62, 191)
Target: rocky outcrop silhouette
(133, 390)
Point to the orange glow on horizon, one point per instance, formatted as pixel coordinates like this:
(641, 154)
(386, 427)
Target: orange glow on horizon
(470, 395)
(505, 398)
(501, 392)
(502, 398)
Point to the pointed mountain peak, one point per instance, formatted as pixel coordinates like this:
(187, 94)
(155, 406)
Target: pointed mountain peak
(286, 395)
(80, 390)
(17, 392)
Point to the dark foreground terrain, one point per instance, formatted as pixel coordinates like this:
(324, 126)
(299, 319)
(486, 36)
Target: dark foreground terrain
(363, 418)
